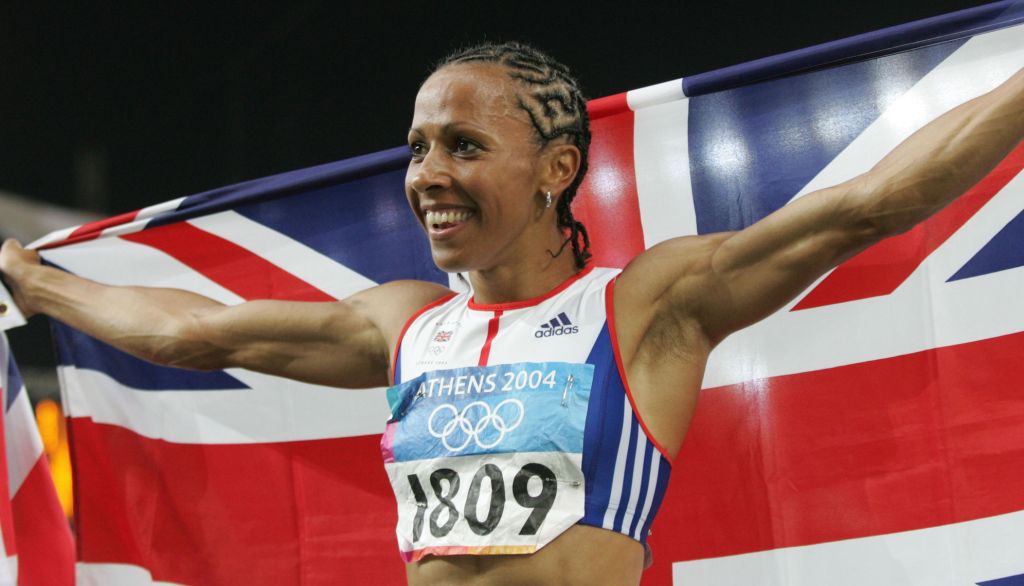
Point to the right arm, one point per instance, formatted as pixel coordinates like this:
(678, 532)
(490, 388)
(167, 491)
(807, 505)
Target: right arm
(346, 343)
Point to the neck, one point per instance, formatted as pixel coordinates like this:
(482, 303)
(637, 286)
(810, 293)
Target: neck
(523, 280)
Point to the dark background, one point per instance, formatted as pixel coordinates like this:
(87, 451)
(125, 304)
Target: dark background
(115, 108)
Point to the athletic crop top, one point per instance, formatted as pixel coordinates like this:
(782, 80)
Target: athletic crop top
(512, 422)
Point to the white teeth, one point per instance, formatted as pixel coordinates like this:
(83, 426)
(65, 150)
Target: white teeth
(434, 218)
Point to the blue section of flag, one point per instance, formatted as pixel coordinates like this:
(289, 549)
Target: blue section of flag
(1004, 251)
(753, 148)
(283, 185)
(899, 38)
(82, 351)
(365, 225)
(14, 382)
(353, 211)
(1017, 580)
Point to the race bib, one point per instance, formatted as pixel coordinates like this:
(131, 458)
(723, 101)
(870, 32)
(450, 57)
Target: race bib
(487, 460)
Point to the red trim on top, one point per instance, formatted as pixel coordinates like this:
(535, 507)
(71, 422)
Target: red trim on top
(529, 302)
(492, 331)
(405, 328)
(610, 311)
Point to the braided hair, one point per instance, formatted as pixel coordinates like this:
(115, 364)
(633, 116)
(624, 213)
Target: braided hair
(556, 108)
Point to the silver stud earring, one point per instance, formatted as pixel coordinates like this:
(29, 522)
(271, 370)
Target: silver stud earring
(548, 200)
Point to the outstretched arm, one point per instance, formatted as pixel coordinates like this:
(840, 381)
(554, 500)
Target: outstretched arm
(344, 343)
(725, 282)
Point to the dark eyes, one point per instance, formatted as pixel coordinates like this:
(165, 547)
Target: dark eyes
(461, 146)
(464, 145)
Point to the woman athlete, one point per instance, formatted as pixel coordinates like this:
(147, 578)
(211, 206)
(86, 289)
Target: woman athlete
(499, 142)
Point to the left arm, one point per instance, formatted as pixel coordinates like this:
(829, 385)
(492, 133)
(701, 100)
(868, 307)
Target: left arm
(679, 299)
(723, 282)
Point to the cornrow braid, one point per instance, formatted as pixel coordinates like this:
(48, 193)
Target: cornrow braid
(556, 108)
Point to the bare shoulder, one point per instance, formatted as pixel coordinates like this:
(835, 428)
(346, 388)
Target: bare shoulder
(660, 333)
(668, 280)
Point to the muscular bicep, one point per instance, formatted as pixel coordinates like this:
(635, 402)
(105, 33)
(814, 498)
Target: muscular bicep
(751, 273)
(324, 343)
(726, 281)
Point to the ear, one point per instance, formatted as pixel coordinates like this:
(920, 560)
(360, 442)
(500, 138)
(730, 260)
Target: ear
(561, 163)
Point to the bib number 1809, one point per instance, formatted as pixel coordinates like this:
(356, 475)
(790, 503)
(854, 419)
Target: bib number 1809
(445, 484)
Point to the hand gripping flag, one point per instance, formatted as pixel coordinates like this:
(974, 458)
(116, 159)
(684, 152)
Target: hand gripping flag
(867, 433)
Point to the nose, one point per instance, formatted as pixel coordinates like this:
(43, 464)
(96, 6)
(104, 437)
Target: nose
(432, 171)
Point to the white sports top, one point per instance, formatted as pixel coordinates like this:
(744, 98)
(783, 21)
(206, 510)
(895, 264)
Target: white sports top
(512, 422)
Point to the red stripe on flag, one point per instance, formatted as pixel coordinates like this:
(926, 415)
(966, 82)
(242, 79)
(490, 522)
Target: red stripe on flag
(607, 201)
(891, 445)
(229, 265)
(46, 550)
(310, 512)
(880, 269)
(93, 229)
(9, 545)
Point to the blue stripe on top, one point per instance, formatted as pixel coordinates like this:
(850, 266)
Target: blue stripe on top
(603, 435)
(660, 487)
(642, 497)
(627, 479)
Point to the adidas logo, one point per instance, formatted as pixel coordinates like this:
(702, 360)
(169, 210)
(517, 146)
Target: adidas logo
(558, 326)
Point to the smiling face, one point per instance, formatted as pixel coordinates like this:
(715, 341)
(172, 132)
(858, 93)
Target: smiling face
(477, 171)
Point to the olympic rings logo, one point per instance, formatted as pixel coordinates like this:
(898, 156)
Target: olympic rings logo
(457, 429)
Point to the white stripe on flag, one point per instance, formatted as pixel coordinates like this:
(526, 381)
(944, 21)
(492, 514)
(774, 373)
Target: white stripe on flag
(664, 193)
(318, 270)
(136, 264)
(274, 410)
(653, 95)
(56, 236)
(157, 209)
(24, 446)
(8, 569)
(948, 555)
(89, 574)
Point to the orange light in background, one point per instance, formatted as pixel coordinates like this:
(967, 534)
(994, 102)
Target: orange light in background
(50, 420)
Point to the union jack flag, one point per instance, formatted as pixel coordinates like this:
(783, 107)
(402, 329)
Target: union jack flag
(35, 541)
(867, 433)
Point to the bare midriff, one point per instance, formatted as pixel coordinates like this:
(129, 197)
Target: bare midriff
(582, 555)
